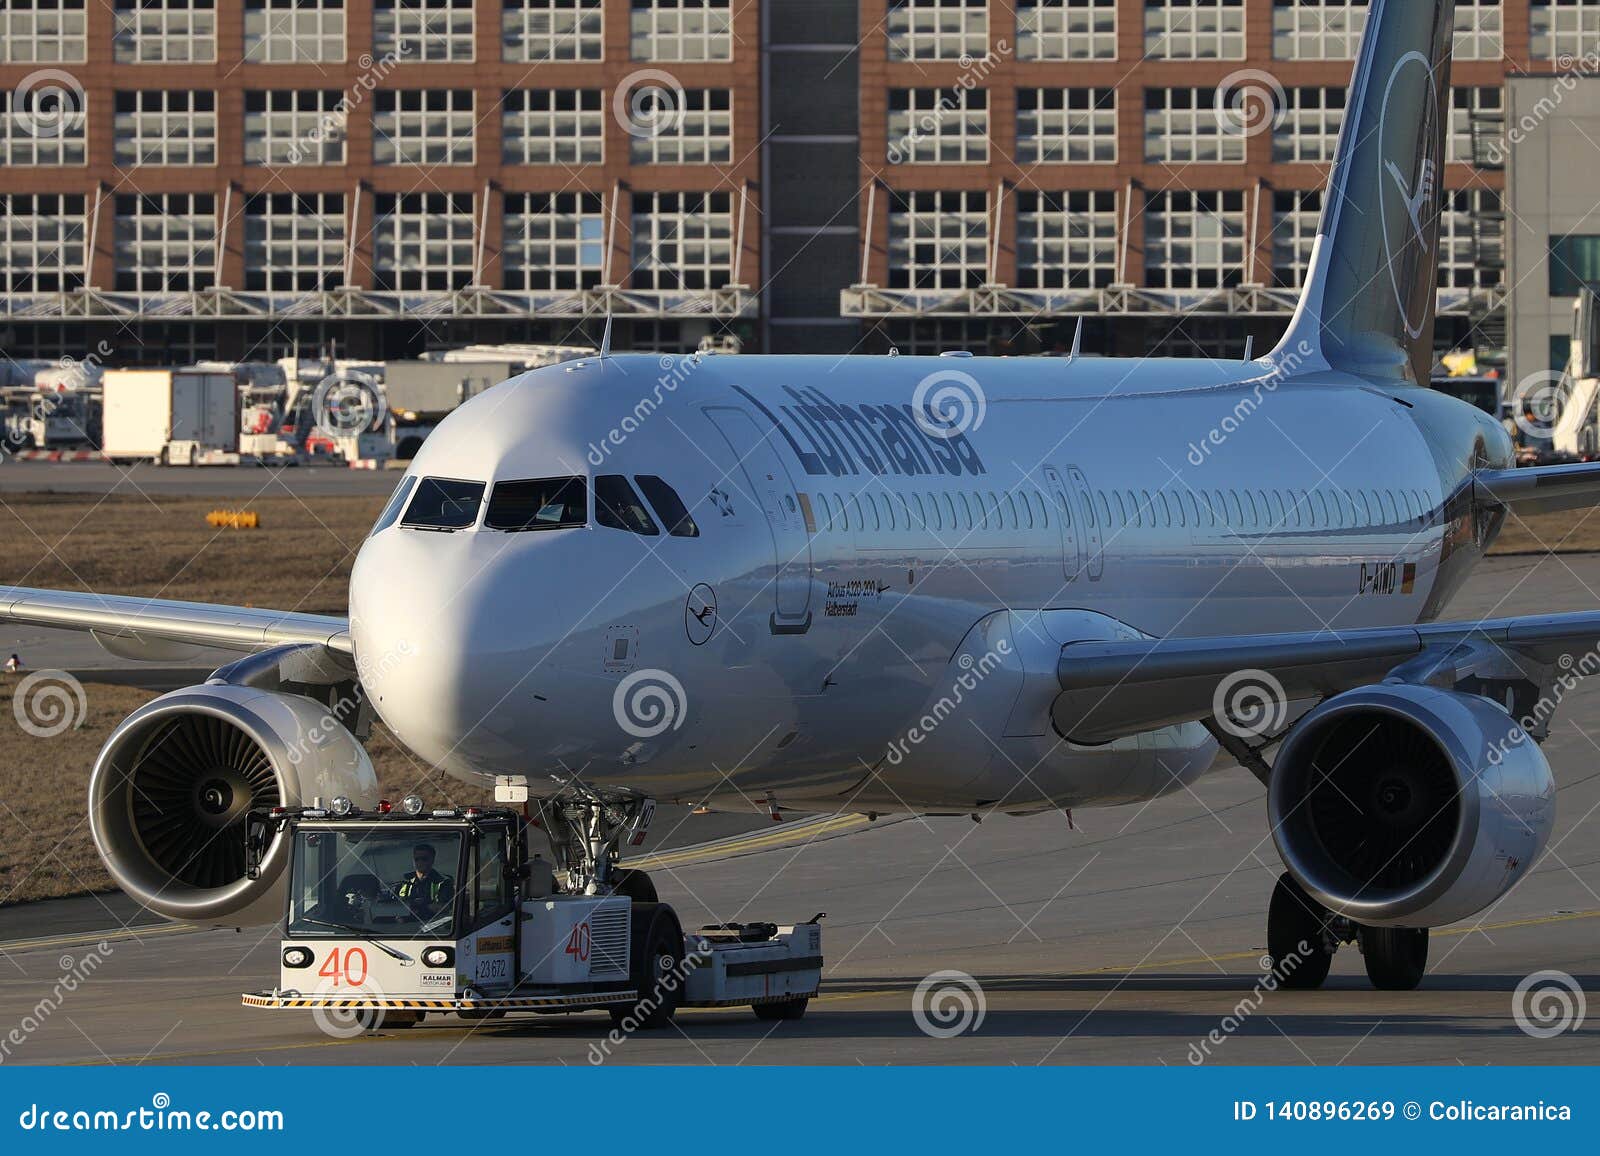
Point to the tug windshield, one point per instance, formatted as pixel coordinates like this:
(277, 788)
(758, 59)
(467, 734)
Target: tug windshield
(392, 882)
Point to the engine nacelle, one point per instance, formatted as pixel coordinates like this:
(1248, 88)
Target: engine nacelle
(169, 792)
(1409, 806)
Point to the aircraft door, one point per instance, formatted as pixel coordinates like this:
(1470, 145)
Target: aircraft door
(1071, 542)
(764, 481)
(1089, 524)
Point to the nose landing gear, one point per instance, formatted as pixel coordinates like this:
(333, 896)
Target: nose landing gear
(1302, 936)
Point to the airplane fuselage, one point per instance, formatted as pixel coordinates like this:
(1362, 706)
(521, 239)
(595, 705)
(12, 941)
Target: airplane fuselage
(872, 610)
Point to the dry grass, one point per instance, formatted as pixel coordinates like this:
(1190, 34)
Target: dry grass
(1573, 532)
(45, 850)
(299, 559)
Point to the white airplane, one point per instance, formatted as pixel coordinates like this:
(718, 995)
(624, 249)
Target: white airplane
(957, 584)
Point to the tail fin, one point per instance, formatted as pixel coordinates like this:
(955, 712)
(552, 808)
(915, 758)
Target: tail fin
(1369, 296)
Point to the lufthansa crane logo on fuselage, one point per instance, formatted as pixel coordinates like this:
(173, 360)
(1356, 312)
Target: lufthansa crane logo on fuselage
(1408, 180)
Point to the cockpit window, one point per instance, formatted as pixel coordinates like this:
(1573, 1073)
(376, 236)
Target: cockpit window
(618, 506)
(397, 502)
(668, 506)
(538, 504)
(444, 504)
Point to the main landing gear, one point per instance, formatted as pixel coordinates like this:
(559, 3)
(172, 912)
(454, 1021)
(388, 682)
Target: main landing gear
(1302, 936)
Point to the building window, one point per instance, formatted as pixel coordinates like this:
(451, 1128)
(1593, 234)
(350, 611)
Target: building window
(938, 126)
(422, 30)
(537, 30)
(700, 134)
(294, 242)
(1181, 126)
(1480, 30)
(165, 31)
(1574, 264)
(552, 126)
(1067, 29)
(423, 127)
(41, 242)
(938, 29)
(422, 240)
(1561, 28)
(1472, 240)
(160, 127)
(926, 336)
(165, 242)
(1477, 119)
(682, 240)
(1066, 240)
(1066, 125)
(1317, 29)
(553, 241)
(1295, 217)
(938, 240)
(34, 130)
(682, 30)
(42, 31)
(300, 127)
(293, 31)
(1309, 129)
(1194, 29)
(1194, 240)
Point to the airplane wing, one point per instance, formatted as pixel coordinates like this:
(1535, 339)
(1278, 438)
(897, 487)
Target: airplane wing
(155, 630)
(1541, 489)
(1113, 689)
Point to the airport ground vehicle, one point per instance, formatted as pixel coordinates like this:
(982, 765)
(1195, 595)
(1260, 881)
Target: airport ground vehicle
(488, 930)
(172, 416)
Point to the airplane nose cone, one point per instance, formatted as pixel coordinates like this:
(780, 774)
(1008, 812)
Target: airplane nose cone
(449, 630)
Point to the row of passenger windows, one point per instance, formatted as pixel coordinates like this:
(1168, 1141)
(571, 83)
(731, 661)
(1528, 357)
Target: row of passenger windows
(449, 504)
(1323, 508)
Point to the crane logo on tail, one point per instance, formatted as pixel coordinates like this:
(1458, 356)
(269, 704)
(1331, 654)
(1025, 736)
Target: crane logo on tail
(1409, 179)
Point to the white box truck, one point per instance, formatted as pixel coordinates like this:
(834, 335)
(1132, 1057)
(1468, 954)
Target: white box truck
(171, 416)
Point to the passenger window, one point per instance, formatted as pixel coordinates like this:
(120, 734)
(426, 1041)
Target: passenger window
(397, 503)
(444, 504)
(617, 506)
(950, 512)
(861, 519)
(668, 506)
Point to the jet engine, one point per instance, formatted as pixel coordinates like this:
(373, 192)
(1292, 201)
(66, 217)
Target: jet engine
(169, 793)
(1409, 806)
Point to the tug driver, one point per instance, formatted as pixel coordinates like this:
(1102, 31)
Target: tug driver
(425, 891)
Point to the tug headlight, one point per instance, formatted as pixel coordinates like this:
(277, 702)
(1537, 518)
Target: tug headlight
(341, 806)
(412, 804)
(297, 957)
(439, 957)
